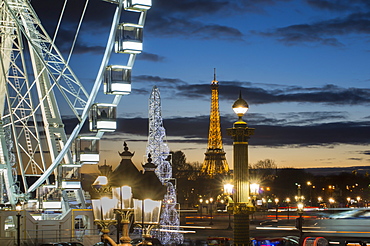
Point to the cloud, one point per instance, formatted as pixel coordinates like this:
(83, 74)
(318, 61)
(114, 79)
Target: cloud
(367, 152)
(168, 85)
(187, 18)
(150, 57)
(297, 118)
(312, 135)
(340, 5)
(168, 26)
(323, 32)
(195, 8)
(270, 132)
(166, 18)
(196, 19)
(328, 94)
(156, 79)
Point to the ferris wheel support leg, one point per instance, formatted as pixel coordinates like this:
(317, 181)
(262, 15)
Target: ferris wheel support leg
(6, 168)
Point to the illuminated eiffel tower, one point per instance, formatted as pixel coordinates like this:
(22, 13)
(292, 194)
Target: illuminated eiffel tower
(215, 160)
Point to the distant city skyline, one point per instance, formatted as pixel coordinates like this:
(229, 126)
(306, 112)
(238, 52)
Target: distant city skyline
(302, 65)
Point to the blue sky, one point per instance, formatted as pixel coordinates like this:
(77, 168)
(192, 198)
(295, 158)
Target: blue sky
(302, 65)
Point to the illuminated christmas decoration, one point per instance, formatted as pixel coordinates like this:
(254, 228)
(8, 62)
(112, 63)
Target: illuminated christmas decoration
(160, 152)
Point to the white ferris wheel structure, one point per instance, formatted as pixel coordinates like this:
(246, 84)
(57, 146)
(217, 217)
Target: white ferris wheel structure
(36, 81)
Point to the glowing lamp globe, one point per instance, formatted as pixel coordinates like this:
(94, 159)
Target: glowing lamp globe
(240, 107)
(18, 206)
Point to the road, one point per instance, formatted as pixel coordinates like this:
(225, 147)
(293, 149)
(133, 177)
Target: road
(262, 224)
(219, 226)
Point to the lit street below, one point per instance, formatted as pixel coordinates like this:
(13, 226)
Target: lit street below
(264, 224)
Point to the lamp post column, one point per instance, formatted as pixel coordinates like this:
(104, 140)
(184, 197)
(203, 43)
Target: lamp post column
(18, 228)
(210, 210)
(242, 205)
(125, 215)
(18, 208)
(299, 222)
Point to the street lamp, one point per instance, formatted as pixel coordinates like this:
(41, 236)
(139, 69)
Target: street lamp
(115, 191)
(211, 207)
(103, 206)
(148, 200)
(299, 222)
(331, 201)
(277, 207)
(254, 188)
(319, 200)
(240, 133)
(18, 208)
(309, 184)
(228, 190)
(299, 196)
(147, 213)
(201, 208)
(288, 203)
(124, 209)
(358, 201)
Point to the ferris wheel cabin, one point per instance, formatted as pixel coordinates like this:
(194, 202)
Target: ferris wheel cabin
(102, 117)
(129, 38)
(86, 150)
(117, 80)
(138, 5)
(134, 5)
(71, 176)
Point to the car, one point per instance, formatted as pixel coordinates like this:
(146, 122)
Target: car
(75, 244)
(201, 243)
(218, 241)
(187, 242)
(136, 241)
(51, 244)
(102, 244)
(275, 241)
(353, 223)
(63, 244)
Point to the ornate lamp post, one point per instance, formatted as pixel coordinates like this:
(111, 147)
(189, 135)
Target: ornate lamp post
(228, 190)
(201, 208)
(18, 208)
(103, 206)
(211, 207)
(288, 204)
(124, 209)
(148, 200)
(125, 180)
(147, 213)
(277, 207)
(254, 188)
(299, 222)
(310, 187)
(358, 201)
(331, 201)
(240, 133)
(115, 191)
(319, 200)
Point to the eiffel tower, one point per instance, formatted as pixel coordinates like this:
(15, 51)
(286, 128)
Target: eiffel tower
(215, 160)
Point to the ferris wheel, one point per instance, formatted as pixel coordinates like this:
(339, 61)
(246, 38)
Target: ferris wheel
(37, 84)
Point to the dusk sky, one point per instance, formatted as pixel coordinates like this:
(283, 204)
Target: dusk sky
(302, 66)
